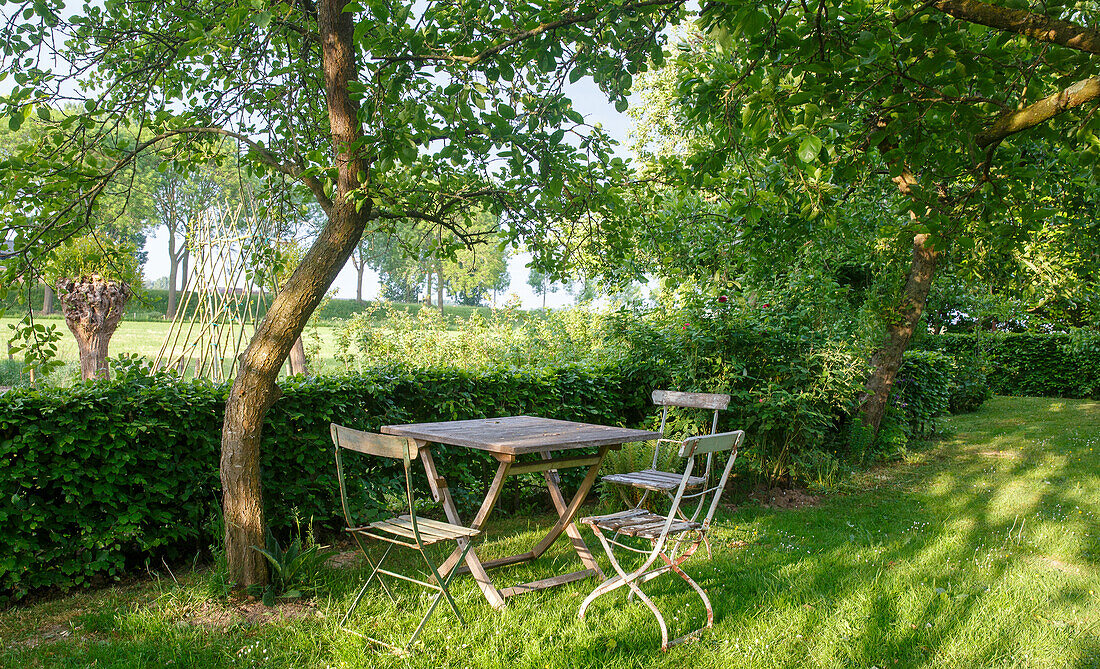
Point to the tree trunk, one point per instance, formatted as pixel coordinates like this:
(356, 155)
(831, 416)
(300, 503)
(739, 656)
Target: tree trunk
(428, 289)
(173, 274)
(899, 330)
(298, 362)
(439, 286)
(254, 389)
(47, 298)
(93, 308)
(183, 269)
(360, 269)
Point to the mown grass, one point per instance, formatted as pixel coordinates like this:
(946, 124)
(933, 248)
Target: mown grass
(980, 551)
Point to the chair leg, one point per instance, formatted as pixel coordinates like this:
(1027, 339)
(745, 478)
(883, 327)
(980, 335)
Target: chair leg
(634, 580)
(363, 590)
(444, 593)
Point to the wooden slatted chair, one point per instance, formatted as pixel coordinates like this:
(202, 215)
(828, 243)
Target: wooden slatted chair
(672, 529)
(656, 480)
(408, 531)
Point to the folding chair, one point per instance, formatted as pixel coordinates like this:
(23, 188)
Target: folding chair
(657, 480)
(408, 530)
(661, 530)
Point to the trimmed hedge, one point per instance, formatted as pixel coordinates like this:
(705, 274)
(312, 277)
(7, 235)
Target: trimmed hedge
(1039, 365)
(99, 477)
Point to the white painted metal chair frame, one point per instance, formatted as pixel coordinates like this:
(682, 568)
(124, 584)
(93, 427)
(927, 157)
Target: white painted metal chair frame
(666, 399)
(671, 561)
(410, 523)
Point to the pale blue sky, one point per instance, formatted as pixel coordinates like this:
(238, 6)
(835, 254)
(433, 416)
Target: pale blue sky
(587, 99)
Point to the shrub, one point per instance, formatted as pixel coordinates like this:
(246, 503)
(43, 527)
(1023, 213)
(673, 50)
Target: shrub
(969, 383)
(1040, 365)
(97, 477)
(922, 391)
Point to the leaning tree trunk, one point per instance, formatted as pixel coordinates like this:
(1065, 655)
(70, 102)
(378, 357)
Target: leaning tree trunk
(899, 330)
(254, 390)
(93, 308)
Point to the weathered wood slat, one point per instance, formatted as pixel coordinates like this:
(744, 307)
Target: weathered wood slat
(382, 445)
(555, 463)
(673, 398)
(652, 479)
(544, 583)
(428, 522)
(712, 443)
(440, 530)
(516, 435)
(639, 523)
(385, 526)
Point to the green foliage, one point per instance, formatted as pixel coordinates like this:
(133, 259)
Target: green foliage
(1040, 365)
(296, 569)
(99, 477)
(969, 383)
(922, 391)
(425, 339)
(87, 255)
(38, 344)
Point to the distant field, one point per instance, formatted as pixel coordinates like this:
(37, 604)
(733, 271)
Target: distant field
(145, 338)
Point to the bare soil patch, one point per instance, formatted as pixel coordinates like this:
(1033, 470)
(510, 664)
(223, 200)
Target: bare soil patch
(784, 498)
(219, 615)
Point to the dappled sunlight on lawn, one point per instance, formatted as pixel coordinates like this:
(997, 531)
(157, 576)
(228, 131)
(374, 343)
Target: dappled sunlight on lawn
(979, 551)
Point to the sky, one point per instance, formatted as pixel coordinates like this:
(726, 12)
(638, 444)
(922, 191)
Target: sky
(587, 99)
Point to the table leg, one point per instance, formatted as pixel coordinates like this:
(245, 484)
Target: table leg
(567, 512)
(487, 506)
(441, 493)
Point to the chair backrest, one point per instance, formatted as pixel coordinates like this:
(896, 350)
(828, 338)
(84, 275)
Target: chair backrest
(712, 443)
(706, 445)
(673, 398)
(382, 445)
(369, 443)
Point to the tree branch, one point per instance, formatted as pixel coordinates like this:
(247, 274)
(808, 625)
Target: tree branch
(1022, 22)
(567, 19)
(1013, 122)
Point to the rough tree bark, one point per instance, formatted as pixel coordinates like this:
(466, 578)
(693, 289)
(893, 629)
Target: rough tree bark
(899, 330)
(360, 268)
(901, 325)
(93, 308)
(254, 390)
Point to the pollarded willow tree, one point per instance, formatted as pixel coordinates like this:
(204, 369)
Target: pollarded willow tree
(928, 111)
(350, 101)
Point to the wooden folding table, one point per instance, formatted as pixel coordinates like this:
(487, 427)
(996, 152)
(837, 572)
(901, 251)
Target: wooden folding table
(507, 439)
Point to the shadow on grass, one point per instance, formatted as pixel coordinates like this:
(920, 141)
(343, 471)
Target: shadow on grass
(981, 553)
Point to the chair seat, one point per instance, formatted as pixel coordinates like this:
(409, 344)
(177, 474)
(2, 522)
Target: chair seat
(639, 523)
(431, 531)
(654, 479)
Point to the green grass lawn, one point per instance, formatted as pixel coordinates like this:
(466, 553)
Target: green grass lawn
(980, 551)
(146, 338)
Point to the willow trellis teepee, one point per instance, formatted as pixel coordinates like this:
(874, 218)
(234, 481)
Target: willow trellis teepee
(224, 297)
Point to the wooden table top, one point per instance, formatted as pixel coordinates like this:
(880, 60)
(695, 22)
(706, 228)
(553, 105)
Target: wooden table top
(515, 435)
